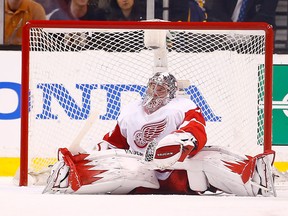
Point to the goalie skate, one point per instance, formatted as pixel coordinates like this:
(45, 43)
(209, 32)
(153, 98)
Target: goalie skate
(263, 177)
(58, 178)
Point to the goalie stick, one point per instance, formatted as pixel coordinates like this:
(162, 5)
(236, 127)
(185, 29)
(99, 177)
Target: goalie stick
(75, 147)
(37, 178)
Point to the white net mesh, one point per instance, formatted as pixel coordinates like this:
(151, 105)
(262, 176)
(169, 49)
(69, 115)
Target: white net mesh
(75, 71)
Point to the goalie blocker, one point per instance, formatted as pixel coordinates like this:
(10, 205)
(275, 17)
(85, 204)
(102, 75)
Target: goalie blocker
(118, 171)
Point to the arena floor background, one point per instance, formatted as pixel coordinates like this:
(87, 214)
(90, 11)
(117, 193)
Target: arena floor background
(28, 201)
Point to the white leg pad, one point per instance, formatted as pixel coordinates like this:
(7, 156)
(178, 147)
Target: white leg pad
(229, 172)
(111, 171)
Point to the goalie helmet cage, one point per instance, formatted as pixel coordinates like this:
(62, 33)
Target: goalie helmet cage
(70, 68)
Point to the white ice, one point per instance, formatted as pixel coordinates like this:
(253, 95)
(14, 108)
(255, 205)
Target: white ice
(27, 201)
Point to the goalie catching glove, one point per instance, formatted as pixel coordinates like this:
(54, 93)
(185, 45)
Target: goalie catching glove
(172, 148)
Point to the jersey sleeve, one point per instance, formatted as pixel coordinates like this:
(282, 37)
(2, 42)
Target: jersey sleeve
(194, 123)
(116, 139)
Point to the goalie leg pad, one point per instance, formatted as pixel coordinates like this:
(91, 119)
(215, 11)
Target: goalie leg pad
(111, 171)
(231, 173)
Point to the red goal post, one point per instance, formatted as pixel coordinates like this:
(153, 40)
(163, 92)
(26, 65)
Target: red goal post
(70, 68)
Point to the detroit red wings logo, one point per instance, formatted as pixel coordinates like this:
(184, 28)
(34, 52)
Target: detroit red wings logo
(149, 132)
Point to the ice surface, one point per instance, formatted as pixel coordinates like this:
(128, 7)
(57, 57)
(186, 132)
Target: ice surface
(26, 201)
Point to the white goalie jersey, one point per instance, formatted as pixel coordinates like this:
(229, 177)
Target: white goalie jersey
(135, 129)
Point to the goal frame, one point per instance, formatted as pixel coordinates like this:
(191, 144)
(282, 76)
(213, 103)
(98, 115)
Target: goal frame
(269, 47)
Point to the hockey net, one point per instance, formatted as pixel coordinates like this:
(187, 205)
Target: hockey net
(71, 69)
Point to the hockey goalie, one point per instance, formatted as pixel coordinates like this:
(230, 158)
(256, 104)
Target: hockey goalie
(158, 147)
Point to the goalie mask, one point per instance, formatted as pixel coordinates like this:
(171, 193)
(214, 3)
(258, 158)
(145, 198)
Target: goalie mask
(161, 89)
